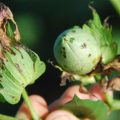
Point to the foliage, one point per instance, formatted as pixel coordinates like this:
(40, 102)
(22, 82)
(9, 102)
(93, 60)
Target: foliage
(94, 110)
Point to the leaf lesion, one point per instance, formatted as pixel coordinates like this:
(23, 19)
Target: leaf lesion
(7, 32)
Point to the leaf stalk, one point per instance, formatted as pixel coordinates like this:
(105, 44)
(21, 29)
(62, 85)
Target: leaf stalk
(29, 104)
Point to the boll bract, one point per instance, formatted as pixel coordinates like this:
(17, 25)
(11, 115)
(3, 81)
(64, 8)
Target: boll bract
(103, 36)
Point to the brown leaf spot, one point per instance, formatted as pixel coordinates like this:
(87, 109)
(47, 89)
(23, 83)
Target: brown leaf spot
(18, 67)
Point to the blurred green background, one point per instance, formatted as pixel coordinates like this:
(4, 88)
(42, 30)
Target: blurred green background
(40, 22)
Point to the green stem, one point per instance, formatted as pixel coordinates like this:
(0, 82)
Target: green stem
(116, 4)
(31, 109)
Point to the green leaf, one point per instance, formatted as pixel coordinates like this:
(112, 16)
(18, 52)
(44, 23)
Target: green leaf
(20, 68)
(114, 115)
(94, 110)
(5, 117)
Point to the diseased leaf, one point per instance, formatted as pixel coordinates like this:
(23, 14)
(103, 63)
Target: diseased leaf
(19, 66)
(18, 70)
(94, 110)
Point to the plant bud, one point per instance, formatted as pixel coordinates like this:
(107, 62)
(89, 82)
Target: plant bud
(77, 51)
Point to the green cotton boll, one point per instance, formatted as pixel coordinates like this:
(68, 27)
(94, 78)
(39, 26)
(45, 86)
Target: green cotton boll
(20, 68)
(77, 51)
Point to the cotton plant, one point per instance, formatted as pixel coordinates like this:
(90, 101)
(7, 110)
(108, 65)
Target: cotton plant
(84, 51)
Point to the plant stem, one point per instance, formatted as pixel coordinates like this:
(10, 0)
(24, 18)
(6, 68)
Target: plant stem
(28, 102)
(116, 4)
